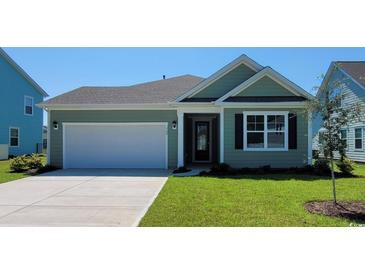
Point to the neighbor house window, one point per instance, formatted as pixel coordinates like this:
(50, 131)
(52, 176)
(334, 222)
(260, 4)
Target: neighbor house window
(344, 136)
(14, 137)
(28, 105)
(358, 138)
(265, 131)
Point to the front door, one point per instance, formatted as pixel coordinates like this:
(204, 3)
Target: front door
(202, 141)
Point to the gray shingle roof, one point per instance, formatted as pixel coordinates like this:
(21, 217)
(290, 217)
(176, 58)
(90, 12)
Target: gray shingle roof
(355, 69)
(156, 92)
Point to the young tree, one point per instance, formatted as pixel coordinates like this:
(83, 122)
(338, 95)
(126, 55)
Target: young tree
(335, 117)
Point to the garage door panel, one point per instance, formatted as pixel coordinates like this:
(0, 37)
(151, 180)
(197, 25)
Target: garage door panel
(115, 146)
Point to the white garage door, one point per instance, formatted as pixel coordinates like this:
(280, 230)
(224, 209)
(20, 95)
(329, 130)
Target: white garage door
(115, 145)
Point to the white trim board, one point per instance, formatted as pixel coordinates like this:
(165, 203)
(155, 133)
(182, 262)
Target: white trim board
(286, 105)
(273, 75)
(243, 59)
(49, 128)
(310, 139)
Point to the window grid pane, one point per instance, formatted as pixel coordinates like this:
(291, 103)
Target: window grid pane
(255, 122)
(14, 137)
(343, 134)
(275, 123)
(14, 132)
(255, 140)
(14, 142)
(275, 140)
(358, 144)
(28, 105)
(358, 138)
(358, 133)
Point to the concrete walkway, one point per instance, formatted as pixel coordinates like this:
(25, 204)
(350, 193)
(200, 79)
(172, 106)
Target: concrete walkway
(80, 197)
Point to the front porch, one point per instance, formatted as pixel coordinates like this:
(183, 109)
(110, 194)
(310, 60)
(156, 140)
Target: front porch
(200, 138)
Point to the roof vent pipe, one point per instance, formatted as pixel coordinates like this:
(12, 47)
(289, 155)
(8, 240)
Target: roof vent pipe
(164, 77)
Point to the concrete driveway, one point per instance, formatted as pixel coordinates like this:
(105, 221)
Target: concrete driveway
(80, 197)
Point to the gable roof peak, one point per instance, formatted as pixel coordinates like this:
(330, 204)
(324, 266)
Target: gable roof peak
(274, 75)
(242, 59)
(354, 70)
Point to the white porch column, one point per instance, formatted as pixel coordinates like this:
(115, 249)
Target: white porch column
(221, 136)
(180, 138)
(49, 128)
(310, 138)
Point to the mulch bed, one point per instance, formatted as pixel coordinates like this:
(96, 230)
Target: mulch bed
(348, 210)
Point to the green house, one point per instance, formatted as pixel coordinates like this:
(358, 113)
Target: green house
(245, 115)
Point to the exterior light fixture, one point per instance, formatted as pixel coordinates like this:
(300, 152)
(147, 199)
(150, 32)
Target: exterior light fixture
(174, 124)
(55, 125)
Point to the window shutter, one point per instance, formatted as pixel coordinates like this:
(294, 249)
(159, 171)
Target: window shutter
(292, 130)
(239, 131)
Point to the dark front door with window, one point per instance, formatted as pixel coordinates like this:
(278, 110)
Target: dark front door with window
(202, 141)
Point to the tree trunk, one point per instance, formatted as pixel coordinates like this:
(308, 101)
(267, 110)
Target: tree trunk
(333, 181)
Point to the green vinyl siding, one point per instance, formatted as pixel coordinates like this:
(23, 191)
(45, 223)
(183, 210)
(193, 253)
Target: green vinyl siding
(265, 87)
(239, 158)
(110, 116)
(229, 81)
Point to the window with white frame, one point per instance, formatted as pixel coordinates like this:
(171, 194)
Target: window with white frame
(344, 136)
(358, 138)
(28, 105)
(13, 137)
(266, 131)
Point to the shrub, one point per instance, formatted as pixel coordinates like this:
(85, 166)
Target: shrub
(46, 168)
(315, 154)
(265, 169)
(19, 164)
(25, 162)
(346, 166)
(321, 167)
(34, 161)
(307, 168)
(245, 170)
(181, 169)
(220, 168)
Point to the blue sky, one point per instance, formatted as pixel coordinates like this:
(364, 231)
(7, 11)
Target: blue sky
(59, 70)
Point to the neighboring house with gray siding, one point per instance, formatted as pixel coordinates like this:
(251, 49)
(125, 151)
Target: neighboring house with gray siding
(20, 120)
(351, 76)
(245, 115)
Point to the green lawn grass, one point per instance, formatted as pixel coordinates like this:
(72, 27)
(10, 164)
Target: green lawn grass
(6, 175)
(252, 200)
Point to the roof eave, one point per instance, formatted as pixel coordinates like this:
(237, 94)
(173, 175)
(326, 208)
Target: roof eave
(102, 106)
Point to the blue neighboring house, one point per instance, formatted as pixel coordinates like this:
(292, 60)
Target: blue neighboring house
(348, 77)
(21, 122)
